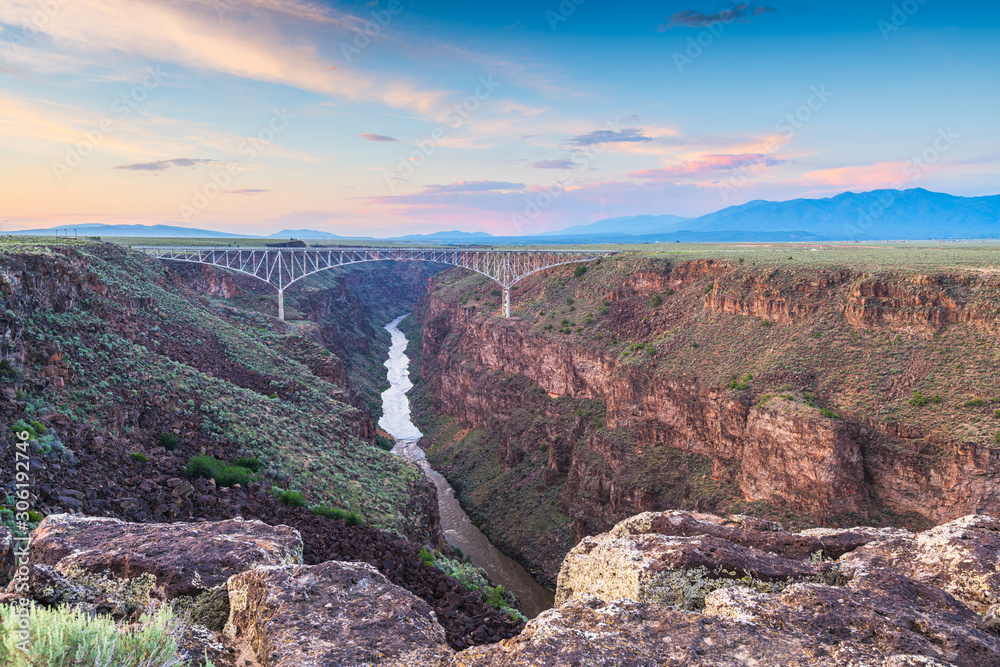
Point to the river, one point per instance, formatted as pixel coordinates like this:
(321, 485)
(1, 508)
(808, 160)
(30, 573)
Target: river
(459, 531)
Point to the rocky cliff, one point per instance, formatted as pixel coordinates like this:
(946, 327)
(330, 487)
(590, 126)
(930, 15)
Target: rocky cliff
(663, 588)
(820, 394)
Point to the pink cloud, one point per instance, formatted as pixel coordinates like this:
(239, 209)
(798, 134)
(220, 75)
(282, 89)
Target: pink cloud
(708, 164)
(875, 176)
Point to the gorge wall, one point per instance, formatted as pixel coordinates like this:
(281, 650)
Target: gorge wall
(813, 394)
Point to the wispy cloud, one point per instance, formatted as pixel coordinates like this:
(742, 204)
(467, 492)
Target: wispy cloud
(692, 18)
(368, 136)
(627, 135)
(709, 164)
(249, 43)
(163, 165)
(554, 164)
(473, 186)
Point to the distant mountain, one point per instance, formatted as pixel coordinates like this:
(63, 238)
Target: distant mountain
(148, 231)
(453, 235)
(628, 225)
(306, 234)
(879, 214)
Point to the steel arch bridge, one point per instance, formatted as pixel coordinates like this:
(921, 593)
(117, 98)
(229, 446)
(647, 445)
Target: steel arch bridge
(280, 267)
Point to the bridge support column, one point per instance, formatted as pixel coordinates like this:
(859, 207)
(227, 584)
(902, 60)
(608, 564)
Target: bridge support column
(506, 302)
(281, 305)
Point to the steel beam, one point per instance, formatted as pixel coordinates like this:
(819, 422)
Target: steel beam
(280, 267)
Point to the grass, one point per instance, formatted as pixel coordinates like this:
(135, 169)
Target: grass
(63, 637)
(139, 457)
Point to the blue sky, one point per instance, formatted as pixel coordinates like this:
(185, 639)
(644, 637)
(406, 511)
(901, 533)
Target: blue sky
(389, 117)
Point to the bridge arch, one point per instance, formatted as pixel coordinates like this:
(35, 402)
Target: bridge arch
(282, 267)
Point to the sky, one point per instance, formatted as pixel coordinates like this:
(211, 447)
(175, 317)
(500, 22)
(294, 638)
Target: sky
(393, 117)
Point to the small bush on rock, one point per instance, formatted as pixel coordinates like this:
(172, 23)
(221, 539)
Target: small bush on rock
(349, 517)
(292, 498)
(169, 441)
(139, 457)
(209, 467)
(248, 462)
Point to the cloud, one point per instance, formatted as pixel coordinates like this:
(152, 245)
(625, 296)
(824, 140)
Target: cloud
(628, 135)
(708, 164)
(691, 18)
(368, 136)
(554, 164)
(247, 191)
(473, 186)
(163, 165)
(266, 40)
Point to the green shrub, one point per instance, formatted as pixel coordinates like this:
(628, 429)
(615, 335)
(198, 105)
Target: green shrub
(494, 292)
(292, 498)
(810, 398)
(426, 557)
(587, 321)
(655, 300)
(38, 426)
(996, 414)
(918, 400)
(209, 467)
(20, 426)
(997, 437)
(64, 637)
(385, 443)
(569, 301)
(169, 441)
(580, 270)
(139, 457)
(739, 385)
(974, 403)
(936, 398)
(828, 413)
(248, 462)
(603, 310)
(349, 517)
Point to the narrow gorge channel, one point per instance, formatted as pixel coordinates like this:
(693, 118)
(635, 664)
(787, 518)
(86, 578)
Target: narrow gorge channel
(458, 529)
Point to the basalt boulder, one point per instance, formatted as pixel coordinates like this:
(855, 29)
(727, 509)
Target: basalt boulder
(678, 588)
(335, 613)
(121, 568)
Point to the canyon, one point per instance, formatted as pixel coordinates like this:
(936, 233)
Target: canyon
(682, 448)
(737, 406)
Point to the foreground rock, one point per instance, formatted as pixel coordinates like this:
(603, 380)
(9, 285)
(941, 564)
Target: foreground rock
(122, 567)
(331, 614)
(677, 588)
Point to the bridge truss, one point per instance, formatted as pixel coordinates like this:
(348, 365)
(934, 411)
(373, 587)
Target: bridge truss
(280, 267)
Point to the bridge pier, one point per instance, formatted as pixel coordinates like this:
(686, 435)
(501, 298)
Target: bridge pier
(281, 305)
(506, 302)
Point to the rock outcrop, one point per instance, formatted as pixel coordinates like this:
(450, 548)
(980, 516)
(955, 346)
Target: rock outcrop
(331, 614)
(685, 588)
(122, 568)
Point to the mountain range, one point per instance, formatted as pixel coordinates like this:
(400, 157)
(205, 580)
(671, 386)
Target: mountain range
(876, 215)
